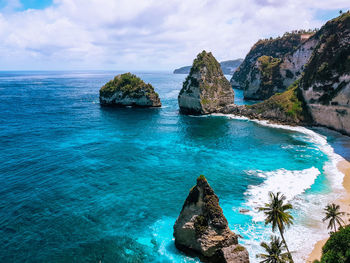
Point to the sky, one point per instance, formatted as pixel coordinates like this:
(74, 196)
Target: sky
(145, 34)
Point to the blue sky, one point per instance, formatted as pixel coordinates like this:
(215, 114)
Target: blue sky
(29, 4)
(145, 34)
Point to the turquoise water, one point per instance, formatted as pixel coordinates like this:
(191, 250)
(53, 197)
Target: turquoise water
(81, 183)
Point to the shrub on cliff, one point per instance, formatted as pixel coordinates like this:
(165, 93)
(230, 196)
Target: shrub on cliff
(128, 83)
(129, 90)
(288, 103)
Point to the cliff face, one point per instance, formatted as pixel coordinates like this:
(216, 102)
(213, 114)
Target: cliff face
(228, 67)
(325, 84)
(276, 48)
(293, 64)
(202, 229)
(205, 90)
(272, 65)
(128, 90)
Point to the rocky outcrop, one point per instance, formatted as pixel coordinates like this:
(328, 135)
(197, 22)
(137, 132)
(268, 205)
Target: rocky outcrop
(321, 96)
(228, 67)
(205, 90)
(201, 228)
(128, 90)
(273, 64)
(276, 48)
(325, 84)
(284, 108)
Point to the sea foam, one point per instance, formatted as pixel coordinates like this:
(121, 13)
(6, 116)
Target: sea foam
(308, 208)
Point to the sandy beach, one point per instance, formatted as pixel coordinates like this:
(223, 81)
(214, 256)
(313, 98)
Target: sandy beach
(344, 202)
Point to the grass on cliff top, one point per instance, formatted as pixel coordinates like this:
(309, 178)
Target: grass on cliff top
(208, 61)
(205, 59)
(201, 178)
(127, 83)
(288, 102)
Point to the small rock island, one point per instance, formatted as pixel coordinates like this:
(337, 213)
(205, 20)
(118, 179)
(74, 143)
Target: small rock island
(202, 229)
(205, 90)
(128, 90)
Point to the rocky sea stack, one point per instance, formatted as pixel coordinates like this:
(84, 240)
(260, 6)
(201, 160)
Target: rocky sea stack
(202, 229)
(128, 90)
(205, 90)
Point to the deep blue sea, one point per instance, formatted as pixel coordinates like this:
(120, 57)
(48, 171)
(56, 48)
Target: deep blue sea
(83, 183)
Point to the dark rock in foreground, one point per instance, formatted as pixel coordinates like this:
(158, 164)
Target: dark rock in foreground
(205, 90)
(202, 229)
(128, 90)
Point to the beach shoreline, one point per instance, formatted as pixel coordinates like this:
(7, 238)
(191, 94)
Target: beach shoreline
(344, 202)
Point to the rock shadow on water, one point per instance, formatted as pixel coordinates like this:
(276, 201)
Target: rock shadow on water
(208, 127)
(130, 115)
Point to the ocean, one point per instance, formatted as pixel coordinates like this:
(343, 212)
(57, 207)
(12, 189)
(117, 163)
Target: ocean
(84, 183)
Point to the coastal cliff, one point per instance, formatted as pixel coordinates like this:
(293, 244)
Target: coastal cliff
(205, 90)
(288, 108)
(202, 229)
(128, 90)
(321, 95)
(273, 64)
(228, 67)
(325, 84)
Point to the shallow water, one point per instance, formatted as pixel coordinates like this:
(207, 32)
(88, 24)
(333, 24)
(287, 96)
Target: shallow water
(81, 183)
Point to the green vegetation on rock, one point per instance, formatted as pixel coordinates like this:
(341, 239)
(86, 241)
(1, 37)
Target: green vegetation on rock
(270, 74)
(129, 84)
(206, 89)
(239, 248)
(272, 47)
(330, 59)
(228, 67)
(288, 103)
(205, 60)
(200, 225)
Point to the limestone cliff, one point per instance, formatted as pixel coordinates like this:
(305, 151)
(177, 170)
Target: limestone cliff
(128, 90)
(325, 84)
(205, 90)
(274, 64)
(276, 48)
(321, 96)
(202, 229)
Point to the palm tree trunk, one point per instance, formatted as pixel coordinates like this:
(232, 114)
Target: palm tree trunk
(285, 243)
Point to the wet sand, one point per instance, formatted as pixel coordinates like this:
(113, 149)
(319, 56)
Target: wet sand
(344, 202)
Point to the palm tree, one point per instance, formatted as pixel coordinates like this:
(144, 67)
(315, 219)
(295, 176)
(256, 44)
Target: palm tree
(275, 251)
(277, 214)
(333, 215)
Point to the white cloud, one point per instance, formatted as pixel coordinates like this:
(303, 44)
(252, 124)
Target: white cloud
(145, 34)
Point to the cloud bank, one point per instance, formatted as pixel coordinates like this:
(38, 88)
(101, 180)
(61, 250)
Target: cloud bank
(147, 34)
